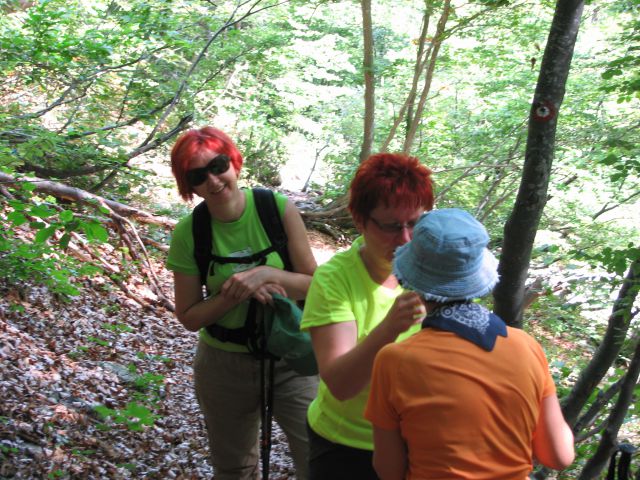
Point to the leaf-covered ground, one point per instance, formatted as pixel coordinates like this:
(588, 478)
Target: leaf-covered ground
(99, 387)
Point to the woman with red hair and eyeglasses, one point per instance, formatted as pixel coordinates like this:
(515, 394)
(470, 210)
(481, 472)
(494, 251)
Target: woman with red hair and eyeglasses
(206, 163)
(355, 306)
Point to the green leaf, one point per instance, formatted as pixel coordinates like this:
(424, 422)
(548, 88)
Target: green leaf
(103, 411)
(64, 240)
(612, 72)
(610, 159)
(89, 270)
(99, 341)
(17, 218)
(136, 410)
(28, 186)
(95, 231)
(45, 234)
(66, 216)
(41, 211)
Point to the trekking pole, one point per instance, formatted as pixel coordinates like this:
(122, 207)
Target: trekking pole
(266, 398)
(266, 401)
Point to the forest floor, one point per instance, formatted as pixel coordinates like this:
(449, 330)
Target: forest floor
(61, 359)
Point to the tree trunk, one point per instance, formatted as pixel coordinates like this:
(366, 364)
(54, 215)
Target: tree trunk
(430, 66)
(609, 348)
(417, 72)
(369, 86)
(520, 229)
(608, 443)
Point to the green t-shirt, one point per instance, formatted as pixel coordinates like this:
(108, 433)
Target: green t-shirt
(342, 291)
(239, 238)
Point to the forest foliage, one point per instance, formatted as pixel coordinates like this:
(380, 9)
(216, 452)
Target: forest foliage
(93, 94)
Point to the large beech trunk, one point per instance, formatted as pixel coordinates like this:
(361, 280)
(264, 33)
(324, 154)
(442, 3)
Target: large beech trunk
(521, 227)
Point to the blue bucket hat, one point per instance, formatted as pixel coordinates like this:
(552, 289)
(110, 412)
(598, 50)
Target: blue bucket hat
(447, 258)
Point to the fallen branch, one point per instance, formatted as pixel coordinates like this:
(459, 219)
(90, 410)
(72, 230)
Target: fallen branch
(124, 227)
(65, 192)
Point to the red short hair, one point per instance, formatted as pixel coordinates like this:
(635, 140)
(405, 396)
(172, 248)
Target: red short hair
(393, 178)
(190, 144)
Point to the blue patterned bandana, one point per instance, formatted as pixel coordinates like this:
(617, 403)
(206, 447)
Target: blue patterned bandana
(470, 321)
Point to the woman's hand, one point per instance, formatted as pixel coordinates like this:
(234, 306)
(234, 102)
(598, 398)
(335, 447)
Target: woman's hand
(264, 294)
(243, 285)
(407, 310)
(191, 310)
(345, 364)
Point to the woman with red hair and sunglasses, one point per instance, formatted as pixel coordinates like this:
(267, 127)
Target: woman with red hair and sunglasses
(355, 306)
(206, 163)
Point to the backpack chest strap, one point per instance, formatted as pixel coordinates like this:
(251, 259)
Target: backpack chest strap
(246, 259)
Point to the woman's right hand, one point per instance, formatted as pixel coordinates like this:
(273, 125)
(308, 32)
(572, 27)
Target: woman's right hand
(192, 310)
(345, 364)
(406, 311)
(243, 285)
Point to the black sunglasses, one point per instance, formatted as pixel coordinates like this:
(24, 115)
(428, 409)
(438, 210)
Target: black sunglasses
(216, 166)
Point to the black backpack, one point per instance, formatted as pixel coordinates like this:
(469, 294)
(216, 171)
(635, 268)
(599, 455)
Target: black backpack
(267, 208)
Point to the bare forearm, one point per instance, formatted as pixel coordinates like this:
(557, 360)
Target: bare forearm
(348, 374)
(346, 364)
(296, 284)
(206, 312)
(553, 439)
(556, 453)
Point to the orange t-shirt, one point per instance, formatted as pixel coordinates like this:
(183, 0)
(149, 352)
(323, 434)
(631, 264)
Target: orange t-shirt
(463, 412)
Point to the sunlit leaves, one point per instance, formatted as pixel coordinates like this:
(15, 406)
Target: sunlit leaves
(622, 72)
(614, 260)
(95, 231)
(41, 260)
(43, 234)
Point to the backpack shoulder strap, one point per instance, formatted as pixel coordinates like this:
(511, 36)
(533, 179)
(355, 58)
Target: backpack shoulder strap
(202, 239)
(265, 201)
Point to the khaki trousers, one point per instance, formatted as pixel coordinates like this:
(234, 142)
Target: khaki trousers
(228, 391)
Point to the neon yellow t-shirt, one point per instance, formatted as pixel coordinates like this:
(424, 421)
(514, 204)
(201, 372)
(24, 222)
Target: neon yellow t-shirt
(342, 291)
(239, 238)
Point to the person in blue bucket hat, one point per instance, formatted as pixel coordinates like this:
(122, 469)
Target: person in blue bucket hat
(467, 396)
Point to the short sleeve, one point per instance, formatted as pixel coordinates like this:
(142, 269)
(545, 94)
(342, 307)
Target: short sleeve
(180, 258)
(327, 300)
(549, 387)
(281, 202)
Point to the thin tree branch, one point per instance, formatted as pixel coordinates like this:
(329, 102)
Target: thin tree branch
(606, 208)
(417, 72)
(194, 64)
(182, 124)
(430, 68)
